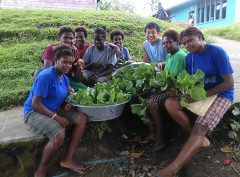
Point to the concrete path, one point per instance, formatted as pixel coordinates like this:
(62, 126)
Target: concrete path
(12, 128)
(233, 50)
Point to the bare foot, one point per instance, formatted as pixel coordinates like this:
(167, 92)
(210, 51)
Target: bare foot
(163, 173)
(205, 142)
(150, 138)
(72, 165)
(39, 174)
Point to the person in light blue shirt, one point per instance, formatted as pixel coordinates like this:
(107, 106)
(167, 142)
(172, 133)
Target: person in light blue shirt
(152, 47)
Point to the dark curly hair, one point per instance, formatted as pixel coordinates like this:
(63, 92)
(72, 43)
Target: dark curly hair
(115, 33)
(192, 30)
(171, 32)
(81, 29)
(64, 30)
(62, 50)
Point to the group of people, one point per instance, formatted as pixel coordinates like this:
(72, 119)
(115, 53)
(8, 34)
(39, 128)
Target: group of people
(68, 65)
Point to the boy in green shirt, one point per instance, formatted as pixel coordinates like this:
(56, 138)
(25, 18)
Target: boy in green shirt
(176, 62)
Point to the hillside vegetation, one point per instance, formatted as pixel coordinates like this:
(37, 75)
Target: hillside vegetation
(227, 32)
(24, 35)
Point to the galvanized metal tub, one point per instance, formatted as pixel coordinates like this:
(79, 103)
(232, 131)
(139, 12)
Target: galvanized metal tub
(101, 113)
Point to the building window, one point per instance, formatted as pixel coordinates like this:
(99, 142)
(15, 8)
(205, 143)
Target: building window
(212, 10)
(203, 9)
(224, 7)
(209, 11)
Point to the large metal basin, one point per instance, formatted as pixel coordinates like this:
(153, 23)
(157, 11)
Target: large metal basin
(100, 113)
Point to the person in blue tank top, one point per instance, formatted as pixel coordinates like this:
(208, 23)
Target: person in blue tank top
(44, 115)
(218, 80)
(152, 47)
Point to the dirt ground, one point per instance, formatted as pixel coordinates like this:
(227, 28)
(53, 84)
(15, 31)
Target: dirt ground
(112, 151)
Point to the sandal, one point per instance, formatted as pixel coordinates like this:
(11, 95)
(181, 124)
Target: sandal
(149, 141)
(159, 146)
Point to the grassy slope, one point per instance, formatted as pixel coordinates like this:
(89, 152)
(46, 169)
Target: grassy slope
(228, 32)
(24, 35)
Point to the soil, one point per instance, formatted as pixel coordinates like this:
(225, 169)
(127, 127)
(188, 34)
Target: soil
(121, 140)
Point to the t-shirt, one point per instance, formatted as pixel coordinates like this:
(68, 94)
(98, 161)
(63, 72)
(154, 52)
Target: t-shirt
(176, 63)
(155, 52)
(81, 52)
(106, 56)
(160, 13)
(214, 62)
(47, 85)
(49, 53)
(125, 54)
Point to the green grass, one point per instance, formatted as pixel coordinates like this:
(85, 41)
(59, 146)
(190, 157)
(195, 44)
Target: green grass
(227, 32)
(24, 35)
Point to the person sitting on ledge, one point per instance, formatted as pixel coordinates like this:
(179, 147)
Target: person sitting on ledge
(176, 62)
(44, 115)
(152, 47)
(218, 80)
(99, 60)
(117, 38)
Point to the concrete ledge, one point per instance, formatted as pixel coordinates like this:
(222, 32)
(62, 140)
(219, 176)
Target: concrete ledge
(13, 132)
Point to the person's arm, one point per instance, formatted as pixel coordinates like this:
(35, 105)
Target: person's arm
(145, 55)
(166, 14)
(161, 65)
(227, 84)
(47, 63)
(116, 49)
(39, 107)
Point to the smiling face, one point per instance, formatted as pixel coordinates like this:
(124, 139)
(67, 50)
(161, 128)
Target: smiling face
(64, 64)
(169, 45)
(99, 40)
(80, 39)
(117, 40)
(66, 38)
(152, 35)
(192, 42)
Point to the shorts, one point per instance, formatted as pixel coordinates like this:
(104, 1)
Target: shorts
(41, 124)
(214, 113)
(89, 74)
(160, 99)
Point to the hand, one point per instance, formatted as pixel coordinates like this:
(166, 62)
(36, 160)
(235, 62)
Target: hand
(62, 121)
(75, 52)
(117, 51)
(171, 93)
(160, 66)
(97, 65)
(80, 63)
(128, 62)
(189, 98)
(68, 107)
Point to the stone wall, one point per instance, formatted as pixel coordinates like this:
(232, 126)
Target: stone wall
(49, 4)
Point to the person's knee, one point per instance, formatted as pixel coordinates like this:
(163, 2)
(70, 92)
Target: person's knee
(151, 104)
(172, 103)
(81, 119)
(59, 139)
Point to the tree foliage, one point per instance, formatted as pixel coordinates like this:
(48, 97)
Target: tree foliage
(152, 4)
(116, 5)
